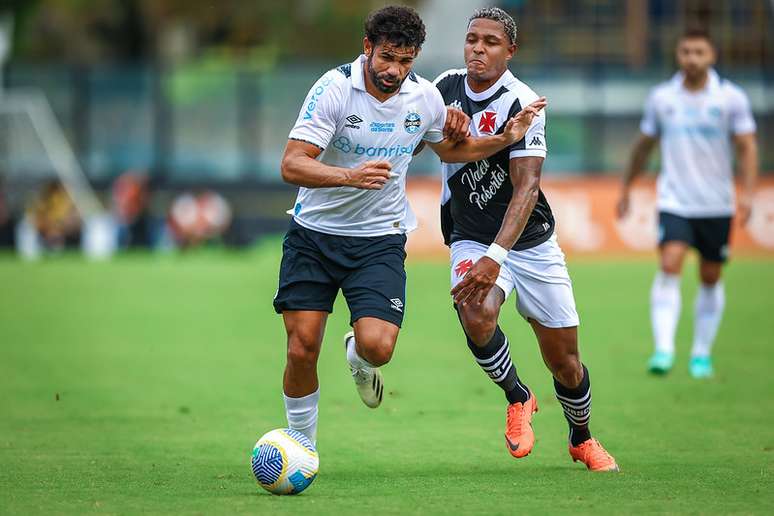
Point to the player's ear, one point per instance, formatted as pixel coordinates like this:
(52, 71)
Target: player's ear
(512, 51)
(367, 47)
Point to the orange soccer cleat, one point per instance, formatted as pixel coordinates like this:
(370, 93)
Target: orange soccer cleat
(593, 455)
(519, 436)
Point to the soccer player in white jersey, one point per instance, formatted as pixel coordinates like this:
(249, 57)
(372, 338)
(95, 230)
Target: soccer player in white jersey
(500, 229)
(349, 151)
(698, 117)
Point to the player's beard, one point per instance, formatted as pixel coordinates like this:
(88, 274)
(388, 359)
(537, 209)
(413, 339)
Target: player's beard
(376, 79)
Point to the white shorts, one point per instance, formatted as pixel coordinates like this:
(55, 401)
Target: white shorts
(538, 275)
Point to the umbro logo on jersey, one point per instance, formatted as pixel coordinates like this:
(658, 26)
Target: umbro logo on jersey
(396, 304)
(354, 121)
(487, 122)
(536, 141)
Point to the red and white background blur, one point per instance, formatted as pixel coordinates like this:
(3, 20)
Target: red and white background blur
(586, 222)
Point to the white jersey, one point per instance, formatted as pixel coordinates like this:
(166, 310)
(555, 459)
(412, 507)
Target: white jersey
(695, 129)
(352, 127)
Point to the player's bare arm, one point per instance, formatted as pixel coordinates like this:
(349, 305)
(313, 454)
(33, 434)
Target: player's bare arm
(637, 162)
(474, 149)
(300, 167)
(747, 163)
(525, 176)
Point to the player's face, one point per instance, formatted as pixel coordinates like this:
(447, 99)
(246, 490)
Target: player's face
(487, 50)
(388, 65)
(695, 56)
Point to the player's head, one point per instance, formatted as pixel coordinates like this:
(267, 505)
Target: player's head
(393, 38)
(695, 53)
(489, 43)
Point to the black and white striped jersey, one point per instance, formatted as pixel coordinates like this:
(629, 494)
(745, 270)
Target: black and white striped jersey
(476, 195)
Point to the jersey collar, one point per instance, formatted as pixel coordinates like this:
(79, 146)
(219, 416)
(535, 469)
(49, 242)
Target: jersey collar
(712, 83)
(505, 78)
(358, 81)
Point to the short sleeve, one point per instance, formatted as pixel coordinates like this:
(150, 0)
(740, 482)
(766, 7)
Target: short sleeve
(741, 117)
(534, 142)
(649, 122)
(434, 133)
(318, 118)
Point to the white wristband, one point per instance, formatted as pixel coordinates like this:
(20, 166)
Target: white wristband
(497, 253)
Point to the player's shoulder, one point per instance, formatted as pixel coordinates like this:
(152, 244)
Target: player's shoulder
(663, 89)
(453, 75)
(732, 90)
(429, 91)
(519, 90)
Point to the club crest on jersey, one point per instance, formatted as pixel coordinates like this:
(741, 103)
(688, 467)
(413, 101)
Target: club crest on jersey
(412, 122)
(463, 267)
(487, 122)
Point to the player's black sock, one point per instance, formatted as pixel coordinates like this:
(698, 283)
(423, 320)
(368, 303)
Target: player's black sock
(577, 407)
(495, 360)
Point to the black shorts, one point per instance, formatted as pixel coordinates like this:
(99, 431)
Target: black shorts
(708, 235)
(370, 272)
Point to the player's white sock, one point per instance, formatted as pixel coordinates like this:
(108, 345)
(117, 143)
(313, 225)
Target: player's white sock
(302, 414)
(355, 360)
(665, 310)
(710, 301)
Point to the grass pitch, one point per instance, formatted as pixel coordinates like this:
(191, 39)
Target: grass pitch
(141, 385)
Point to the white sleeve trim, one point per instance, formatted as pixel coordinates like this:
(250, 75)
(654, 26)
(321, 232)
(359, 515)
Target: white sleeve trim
(528, 153)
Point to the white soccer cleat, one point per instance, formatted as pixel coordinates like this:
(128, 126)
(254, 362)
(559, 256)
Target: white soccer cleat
(368, 380)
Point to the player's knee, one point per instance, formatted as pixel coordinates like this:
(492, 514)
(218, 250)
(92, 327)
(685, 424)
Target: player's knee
(710, 275)
(302, 350)
(480, 324)
(377, 349)
(568, 370)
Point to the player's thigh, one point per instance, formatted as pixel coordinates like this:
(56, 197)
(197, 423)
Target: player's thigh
(712, 238)
(464, 254)
(675, 237)
(307, 281)
(376, 286)
(543, 286)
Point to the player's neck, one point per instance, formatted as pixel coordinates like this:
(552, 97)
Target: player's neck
(481, 86)
(696, 83)
(373, 90)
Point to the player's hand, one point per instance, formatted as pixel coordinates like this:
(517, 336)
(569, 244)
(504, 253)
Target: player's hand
(371, 175)
(517, 126)
(477, 283)
(622, 208)
(745, 208)
(457, 126)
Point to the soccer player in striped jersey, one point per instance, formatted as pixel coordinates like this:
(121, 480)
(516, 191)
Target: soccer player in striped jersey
(500, 229)
(699, 118)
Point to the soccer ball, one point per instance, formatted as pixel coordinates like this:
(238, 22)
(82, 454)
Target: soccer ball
(284, 461)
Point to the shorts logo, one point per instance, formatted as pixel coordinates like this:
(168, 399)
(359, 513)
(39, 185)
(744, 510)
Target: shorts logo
(487, 122)
(536, 141)
(353, 122)
(396, 304)
(463, 267)
(412, 122)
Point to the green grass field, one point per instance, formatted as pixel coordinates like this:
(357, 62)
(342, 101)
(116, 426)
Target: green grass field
(141, 385)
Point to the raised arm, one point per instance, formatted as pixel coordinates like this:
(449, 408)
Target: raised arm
(474, 149)
(301, 167)
(637, 162)
(747, 168)
(525, 177)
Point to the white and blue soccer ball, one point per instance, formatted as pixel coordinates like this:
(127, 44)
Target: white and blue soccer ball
(284, 461)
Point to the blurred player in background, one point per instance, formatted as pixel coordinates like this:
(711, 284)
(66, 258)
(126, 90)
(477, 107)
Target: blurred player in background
(698, 117)
(349, 151)
(501, 232)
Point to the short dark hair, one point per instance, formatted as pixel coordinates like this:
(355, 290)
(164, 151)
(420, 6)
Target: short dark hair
(697, 33)
(498, 15)
(395, 24)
